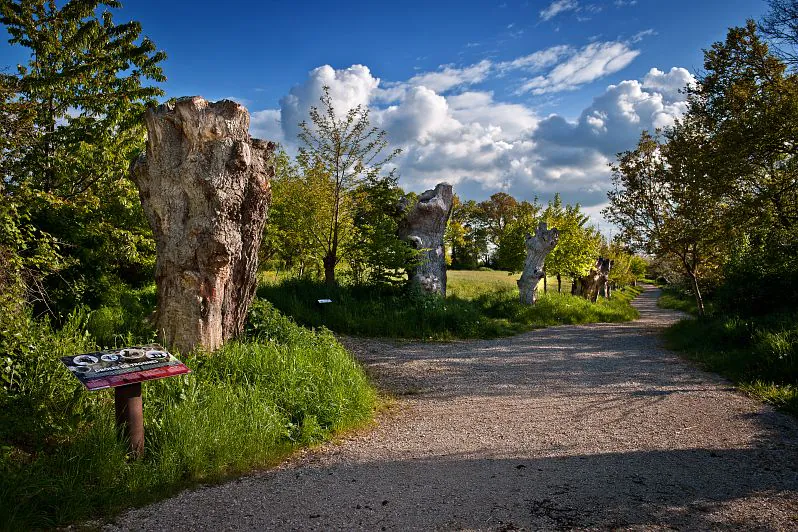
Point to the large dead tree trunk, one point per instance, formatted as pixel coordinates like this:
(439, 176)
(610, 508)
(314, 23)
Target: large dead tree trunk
(423, 226)
(204, 185)
(597, 280)
(537, 247)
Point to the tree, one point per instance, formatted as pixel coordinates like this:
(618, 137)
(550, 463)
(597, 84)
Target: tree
(84, 88)
(466, 235)
(378, 253)
(578, 243)
(781, 26)
(350, 152)
(301, 206)
(662, 207)
(748, 106)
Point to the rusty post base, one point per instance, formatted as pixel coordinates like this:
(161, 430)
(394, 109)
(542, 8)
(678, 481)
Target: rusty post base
(130, 417)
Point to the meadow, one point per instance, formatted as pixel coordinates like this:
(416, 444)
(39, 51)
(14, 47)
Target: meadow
(479, 304)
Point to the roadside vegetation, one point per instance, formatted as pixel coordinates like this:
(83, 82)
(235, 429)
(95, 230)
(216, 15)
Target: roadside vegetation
(245, 406)
(713, 200)
(759, 353)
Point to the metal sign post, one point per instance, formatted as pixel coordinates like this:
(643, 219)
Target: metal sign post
(124, 370)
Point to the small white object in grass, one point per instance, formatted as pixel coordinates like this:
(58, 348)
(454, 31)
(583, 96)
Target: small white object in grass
(324, 301)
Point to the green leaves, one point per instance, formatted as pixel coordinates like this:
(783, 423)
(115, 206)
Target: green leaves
(71, 121)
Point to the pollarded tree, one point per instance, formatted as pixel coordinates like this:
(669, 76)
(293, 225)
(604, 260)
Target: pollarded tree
(350, 152)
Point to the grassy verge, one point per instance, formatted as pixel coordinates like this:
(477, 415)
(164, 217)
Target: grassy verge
(759, 354)
(479, 305)
(243, 407)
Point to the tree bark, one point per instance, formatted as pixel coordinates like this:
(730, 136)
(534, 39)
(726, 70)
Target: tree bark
(559, 284)
(537, 248)
(204, 185)
(424, 226)
(699, 300)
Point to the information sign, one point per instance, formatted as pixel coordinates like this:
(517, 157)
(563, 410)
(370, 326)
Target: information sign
(120, 367)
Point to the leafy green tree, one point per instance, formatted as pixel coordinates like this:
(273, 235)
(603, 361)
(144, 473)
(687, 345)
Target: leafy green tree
(350, 153)
(662, 207)
(578, 246)
(510, 252)
(378, 254)
(84, 89)
(748, 107)
(466, 235)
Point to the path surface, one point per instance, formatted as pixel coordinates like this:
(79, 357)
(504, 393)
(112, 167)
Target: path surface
(591, 426)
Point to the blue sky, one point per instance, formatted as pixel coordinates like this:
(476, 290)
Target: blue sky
(531, 97)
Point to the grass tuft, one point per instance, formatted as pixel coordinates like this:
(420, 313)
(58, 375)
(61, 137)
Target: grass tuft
(760, 355)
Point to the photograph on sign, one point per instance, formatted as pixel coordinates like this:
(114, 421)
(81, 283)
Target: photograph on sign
(118, 367)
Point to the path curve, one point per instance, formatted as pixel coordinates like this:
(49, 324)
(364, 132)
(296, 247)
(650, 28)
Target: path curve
(570, 427)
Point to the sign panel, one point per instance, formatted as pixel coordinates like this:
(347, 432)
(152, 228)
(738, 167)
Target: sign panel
(109, 369)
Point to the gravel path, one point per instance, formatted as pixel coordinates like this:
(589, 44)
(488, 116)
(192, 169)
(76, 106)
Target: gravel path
(572, 427)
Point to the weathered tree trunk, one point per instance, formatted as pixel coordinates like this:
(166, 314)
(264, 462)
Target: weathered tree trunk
(597, 280)
(423, 226)
(537, 248)
(329, 269)
(204, 185)
(559, 284)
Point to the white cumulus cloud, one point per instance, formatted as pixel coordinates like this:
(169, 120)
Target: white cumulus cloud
(482, 145)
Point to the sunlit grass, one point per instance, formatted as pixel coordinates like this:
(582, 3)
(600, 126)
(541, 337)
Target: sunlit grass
(242, 407)
(478, 305)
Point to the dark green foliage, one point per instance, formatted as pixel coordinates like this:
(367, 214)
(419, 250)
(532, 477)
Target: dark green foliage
(243, 407)
(761, 276)
(401, 313)
(72, 116)
(378, 255)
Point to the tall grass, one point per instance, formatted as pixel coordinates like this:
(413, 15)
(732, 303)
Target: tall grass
(472, 309)
(758, 353)
(243, 407)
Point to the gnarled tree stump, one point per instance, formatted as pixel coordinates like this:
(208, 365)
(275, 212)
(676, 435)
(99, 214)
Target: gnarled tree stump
(597, 280)
(204, 185)
(423, 226)
(537, 247)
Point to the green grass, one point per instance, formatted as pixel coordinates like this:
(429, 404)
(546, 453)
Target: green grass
(243, 407)
(478, 305)
(760, 355)
(677, 300)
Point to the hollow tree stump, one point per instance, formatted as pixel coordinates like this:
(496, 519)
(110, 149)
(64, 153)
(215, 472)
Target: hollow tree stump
(537, 247)
(423, 226)
(204, 185)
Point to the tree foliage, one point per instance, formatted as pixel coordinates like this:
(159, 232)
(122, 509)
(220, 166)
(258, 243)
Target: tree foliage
(348, 153)
(74, 116)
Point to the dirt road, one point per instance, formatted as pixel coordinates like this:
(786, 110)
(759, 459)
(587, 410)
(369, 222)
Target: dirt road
(573, 427)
